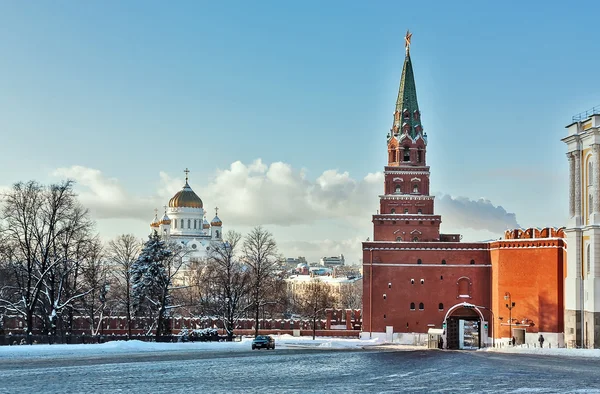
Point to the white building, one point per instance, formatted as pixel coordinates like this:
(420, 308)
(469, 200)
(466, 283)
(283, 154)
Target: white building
(334, 261)
(582, 283)
(184, 222)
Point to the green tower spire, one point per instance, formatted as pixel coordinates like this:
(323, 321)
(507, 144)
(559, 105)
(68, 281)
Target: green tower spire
(407, 118)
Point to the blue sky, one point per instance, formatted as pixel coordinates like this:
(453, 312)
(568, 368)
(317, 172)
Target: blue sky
(131, 90)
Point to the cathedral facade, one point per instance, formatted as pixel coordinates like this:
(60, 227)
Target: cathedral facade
(184, 222)
(582, 309)
(416, 279)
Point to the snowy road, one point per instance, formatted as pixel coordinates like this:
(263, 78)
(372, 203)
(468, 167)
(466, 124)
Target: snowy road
(300, 371)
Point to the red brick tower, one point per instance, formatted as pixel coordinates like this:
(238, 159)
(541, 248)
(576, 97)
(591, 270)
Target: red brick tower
(406, 208)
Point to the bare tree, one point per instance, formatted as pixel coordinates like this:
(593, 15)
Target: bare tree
(94, 278)
(350, 295)
(314, 299)
(122, 252)
(260, 254)
(224, 283)
(35, 221)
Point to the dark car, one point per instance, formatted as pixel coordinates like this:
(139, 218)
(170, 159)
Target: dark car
(263, 341)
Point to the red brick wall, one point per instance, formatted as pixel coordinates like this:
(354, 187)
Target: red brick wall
(440, 283)
(532, 270)
(426, 228)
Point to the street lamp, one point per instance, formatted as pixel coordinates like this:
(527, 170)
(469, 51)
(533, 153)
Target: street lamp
(509, 306)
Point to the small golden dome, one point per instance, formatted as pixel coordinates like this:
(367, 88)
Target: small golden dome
(185, 198)
(155, 221)
(216, 222)
(165, 220)
(205, 225)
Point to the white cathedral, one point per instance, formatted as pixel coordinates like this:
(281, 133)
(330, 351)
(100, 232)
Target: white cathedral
(184, 222)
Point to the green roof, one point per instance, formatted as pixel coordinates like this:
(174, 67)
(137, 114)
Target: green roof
(407, 104)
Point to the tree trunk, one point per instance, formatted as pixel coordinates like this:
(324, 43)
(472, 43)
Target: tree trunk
(229, 328)
(128, 314)
(29, 325)
(256, 311)
(159, 323)
(314, 326)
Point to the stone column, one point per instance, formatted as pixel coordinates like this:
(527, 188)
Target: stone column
(571, 158)
(577, 155)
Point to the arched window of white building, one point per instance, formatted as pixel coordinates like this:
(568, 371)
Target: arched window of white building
(189, 223)
(589, 258)
(590, 174)
(182, 226)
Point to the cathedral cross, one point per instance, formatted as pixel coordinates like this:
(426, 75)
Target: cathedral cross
(186, 174)
(407, 39)
(216, 211)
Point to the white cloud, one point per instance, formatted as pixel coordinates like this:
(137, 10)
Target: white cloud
(480, 214)
(106, 197)
(280, 196)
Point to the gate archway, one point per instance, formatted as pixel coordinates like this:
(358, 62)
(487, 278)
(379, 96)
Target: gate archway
(462, 325)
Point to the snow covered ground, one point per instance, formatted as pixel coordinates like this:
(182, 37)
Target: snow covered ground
(134, 346)
(592, 353)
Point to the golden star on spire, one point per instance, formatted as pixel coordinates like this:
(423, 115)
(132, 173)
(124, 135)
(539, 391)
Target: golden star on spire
(407, 39)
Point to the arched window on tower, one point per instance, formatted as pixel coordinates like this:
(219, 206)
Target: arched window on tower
(415, 188)
(441, 306)
(393, 210)
(463, 287)
(589, 258)
(415, 239)
(398, 189)
(406, 115)
(398, 239)
(419, 155)
(406, 153)
(412, 306)
(421, 306)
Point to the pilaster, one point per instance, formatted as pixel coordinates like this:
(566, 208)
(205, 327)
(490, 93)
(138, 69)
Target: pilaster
(578, 217)
(571, 158)
(596, 184)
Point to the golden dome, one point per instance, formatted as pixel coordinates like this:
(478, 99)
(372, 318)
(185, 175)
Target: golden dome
(216, 222)
(185, 198)
(165, 220)
(205, 225)
(155, 221)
